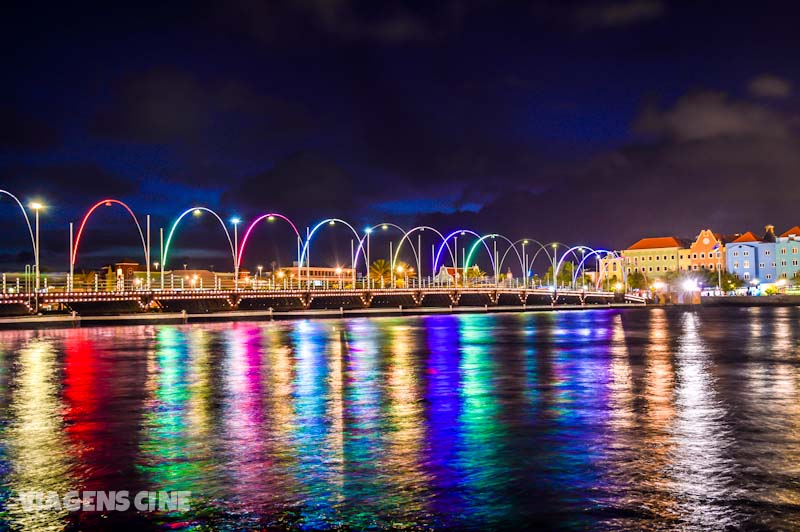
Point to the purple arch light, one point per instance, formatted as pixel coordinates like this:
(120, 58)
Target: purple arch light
(451, 235)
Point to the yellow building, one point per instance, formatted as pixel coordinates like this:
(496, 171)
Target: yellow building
(655, 257)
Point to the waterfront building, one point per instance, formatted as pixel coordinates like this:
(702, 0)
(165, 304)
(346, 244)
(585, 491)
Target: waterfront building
(654, 257)
(707, 252)
(612, 271)
(752, 259)
(787, 254)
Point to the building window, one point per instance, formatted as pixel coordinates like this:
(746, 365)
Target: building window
(794, 251)
(746, 264)
(735, 265)
(658, 268)
(735, 253)
(702, 255)
(710, 266)
(761, 265)
(794, 262)
(746, 253)
(783, 263)
(767, 252)
(746, 276)
(769, 276)
(783, 251)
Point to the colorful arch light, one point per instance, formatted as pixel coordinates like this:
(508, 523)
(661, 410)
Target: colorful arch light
(456, 233)
(386, 225)
(523, 259)
(419, 228)
(328, 221)
(107, 202)
(25, 215)
(175, 226)
(497, 268)
(573, 249)
(600, 272)
(268, 216)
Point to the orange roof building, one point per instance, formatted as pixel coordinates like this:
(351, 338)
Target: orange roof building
(653, 257)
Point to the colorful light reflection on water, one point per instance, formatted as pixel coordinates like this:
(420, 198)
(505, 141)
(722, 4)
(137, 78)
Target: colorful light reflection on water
(604, 419)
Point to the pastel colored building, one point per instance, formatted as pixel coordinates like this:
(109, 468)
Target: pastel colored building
(654, 257)
(707, 252)
(787, 254)
(612, 269)
(752, 259)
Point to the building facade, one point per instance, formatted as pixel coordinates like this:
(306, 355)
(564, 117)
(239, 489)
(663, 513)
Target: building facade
(707, 252)
(653, 257)
(787, 254)
(752, 259)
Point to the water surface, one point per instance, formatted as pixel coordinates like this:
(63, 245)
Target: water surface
(604, 419)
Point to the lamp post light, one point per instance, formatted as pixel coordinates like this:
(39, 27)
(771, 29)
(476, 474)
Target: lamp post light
(368, 231)
(260, 270)
(400, 271)
(525, 264)
(235, 221)
(339, 275)
(36, 206)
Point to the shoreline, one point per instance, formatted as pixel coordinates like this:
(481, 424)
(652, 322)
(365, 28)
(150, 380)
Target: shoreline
(164, 318)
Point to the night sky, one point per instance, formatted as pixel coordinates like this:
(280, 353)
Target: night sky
(584, 122)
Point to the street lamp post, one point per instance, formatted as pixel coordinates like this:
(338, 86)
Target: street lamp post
(368, 230)
(235, 222)
(555, 256)
(525, 263)
(36, 208)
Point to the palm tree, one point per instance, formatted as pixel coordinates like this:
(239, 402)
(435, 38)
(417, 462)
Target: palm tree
(381, 271)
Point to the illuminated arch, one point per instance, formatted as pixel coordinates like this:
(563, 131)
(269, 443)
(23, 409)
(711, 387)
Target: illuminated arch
(25, 215)
(370, 229)
(175, 226)
(328, 221)
(419, 228)
(522, 259)
(564, 256)
(271, 215)
(496, 267)
(603, 266)
(456, 233)
(107, 202)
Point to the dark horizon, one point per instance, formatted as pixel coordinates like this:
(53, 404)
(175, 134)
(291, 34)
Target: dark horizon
(589, 122)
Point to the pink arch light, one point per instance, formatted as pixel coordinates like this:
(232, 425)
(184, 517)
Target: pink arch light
(252, 226)
(106, 202)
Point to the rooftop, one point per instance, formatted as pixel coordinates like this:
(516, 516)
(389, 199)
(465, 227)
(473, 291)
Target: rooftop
(657, 243)
(793, 231)
(747, 237)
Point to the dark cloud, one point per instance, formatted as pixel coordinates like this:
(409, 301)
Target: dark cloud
(168, 105)
(614, 14)
(735, 174)
(302, 183)
(22, 132)
(389, 22)
(66, 185)
(769, 86)
(705, 115)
